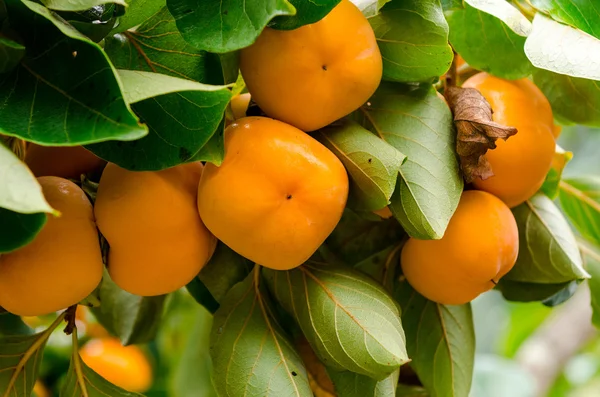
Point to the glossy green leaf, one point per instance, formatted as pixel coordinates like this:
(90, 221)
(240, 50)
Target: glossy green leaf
(356, 240)
(225, 25)
(307, 12)
(95, 25)
(580, 201)
(65, 91)
(419, 124)
(11, 324)
(486, 43)
(251, 354)
(138, 12)
(78, 5)
(182, 116)
(225, 269)
(20, 358)
(548, 250)
(582, 14)
(411, 391)
(132, 318)
(413, 39)
(505, 12)
(573, 99)
(370, 8)
(19, 189)
(349, 320)
(518, 291)
(11, 54)
(157, 46)
(591, 257)
(563, 49)
(350, 384)
(372, 163)
(19, 229)
(563, 295)
(81, 380)
(553, 178)
(440, 341)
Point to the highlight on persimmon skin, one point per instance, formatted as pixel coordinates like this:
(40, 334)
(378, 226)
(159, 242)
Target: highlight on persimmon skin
(479, 247)
(520, 163)
(277, 195)
(62, 265)
(316, 74)
(158, 243)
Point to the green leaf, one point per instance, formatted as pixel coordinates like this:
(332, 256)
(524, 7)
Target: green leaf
(372, 163)
(582, 14)
(548, 250)
(411, 391)
(413, 39)
(382, 266)
(349, 320)
(370, 8)
(225, 25)
(137, 12)
(518, 291)
(182, 116)
(134, 319)
(563, 49)
(553, 178)
(81, 380)
(505, 12)
(350, 384)
(356, 240)
(225, 269)
(307, 12)
(19, 229)
(591, 257)
(20, 360)
(419, 124)
(11, 54)
(11, 324)
(573, 99)
(440, 341)
(251, 354)
(78, 5)
(580, 201)
(486, 43)
(19, 190)
(563, 295)
(157, 46)
(65, 91)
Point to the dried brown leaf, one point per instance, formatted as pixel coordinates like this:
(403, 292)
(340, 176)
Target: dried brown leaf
(477, 133)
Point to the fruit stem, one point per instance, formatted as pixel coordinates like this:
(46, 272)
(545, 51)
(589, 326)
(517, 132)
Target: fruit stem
(450, 80)
(70, 319)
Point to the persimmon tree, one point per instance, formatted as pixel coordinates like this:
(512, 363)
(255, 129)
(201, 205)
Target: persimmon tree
(149, 85)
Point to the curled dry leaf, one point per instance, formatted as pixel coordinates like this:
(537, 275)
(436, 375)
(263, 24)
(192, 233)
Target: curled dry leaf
(476, 131)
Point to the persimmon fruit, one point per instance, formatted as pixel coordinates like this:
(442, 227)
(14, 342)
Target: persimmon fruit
(311, 76)
(62, 265)
(479, 246)
(65, 161)
(277, 195)
(520, 163)
(124, 366)
(157, 240)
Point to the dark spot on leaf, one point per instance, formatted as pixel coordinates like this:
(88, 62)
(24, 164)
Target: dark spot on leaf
(184, 154)
(370, 161)
(294, 373)
(225, 12)
(189, 11)
(119, 118)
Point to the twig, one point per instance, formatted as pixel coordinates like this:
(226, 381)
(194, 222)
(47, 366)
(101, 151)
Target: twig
(70, 316)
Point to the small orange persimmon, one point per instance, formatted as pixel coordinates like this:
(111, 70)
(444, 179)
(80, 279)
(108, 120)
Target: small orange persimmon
(277, 196)
(479, 246)
(62, 265)
(66, 162)
(311, 76)
(519, 164)
(158, 242)
(124, 366)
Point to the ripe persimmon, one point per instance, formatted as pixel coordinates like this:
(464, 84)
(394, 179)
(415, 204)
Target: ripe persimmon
(479, 246)
(311, 76)
(62, 265)
(66, 162)
(278, 194)
(124, 366)
(519, 164)
(239, 105)
(157, 240)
